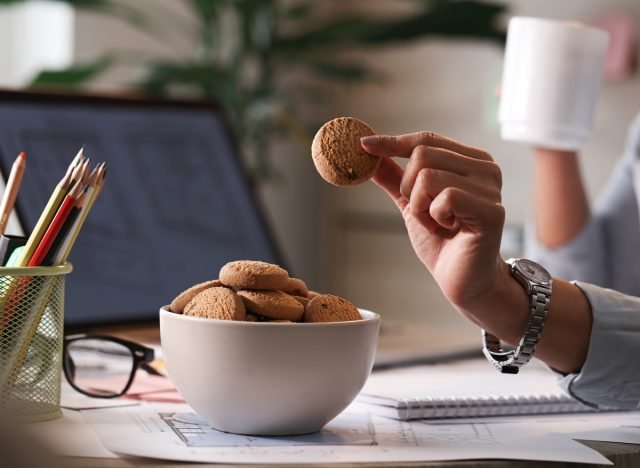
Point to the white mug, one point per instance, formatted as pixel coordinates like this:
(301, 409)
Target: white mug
(551, 81)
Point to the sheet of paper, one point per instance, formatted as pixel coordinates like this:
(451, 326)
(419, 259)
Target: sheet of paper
(145, 387)
(603, 427)
(73, 400)
(70, 436)
(622, 427)
(174, 432)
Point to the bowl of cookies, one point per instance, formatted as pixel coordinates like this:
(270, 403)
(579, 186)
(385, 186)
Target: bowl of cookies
(255, 352)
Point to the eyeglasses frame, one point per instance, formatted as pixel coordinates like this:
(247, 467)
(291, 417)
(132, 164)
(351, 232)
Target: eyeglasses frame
(142, 355)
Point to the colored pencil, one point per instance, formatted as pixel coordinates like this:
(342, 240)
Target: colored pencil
(65, 231)
(11, 190)
(78, 157)
(55, 226)
(95, 186)
(47, 215)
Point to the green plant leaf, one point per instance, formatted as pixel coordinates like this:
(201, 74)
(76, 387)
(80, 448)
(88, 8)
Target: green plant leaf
(257, 23)
(467, 18)
(296, 12)
(74, 76)
(207, 10)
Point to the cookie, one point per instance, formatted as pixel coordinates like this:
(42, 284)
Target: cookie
(273, 304)
(302, 299)
(296, 287)
(178, 304)
(216, 303)
(338, 154)
(250, 274)
(330, 308)
(312, 294)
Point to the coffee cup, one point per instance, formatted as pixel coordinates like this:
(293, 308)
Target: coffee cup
(551, 81)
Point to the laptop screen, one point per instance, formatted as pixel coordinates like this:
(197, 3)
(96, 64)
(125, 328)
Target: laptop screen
(175, 207)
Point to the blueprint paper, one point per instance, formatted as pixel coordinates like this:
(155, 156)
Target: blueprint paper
(174, 432)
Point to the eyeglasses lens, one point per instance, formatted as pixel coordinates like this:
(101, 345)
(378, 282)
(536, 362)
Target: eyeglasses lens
(99, 367)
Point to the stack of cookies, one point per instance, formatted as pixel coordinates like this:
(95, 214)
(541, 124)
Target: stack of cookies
(261, 292)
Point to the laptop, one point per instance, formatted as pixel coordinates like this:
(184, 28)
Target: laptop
(175, 207)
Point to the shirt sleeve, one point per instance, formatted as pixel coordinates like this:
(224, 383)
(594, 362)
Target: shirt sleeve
(610, 376)
(607, 250)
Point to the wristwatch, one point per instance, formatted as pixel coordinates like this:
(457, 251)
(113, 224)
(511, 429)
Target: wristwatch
(537, 283)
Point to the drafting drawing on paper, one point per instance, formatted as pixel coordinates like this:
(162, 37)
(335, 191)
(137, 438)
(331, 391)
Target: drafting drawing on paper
(195, 432)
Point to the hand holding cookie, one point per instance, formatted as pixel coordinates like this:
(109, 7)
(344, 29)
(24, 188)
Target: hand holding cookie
(450, 198)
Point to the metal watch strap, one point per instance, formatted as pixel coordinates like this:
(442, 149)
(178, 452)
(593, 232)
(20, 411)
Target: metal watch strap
(509, 362)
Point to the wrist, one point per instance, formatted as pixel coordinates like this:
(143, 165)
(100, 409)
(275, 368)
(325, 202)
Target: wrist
(503, 311)
(555, 155)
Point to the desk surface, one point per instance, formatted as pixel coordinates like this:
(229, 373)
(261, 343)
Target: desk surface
(622, 455)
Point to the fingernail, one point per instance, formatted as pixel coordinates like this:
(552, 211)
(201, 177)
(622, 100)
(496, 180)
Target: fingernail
(370, 140)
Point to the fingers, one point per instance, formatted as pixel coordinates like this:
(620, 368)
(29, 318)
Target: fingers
(450, 201)
(446, 185)
(435, 181)
(453, 205)
(486, 175)
(403, 145)
(388, 177)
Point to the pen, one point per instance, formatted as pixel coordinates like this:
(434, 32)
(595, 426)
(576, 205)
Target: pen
(11, 190)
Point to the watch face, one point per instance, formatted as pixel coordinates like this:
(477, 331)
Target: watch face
(533, 271)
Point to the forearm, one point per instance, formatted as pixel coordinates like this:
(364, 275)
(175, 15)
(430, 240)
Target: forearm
(561, 208)
(565, 338)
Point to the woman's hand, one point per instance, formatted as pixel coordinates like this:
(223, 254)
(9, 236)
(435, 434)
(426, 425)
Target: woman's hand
(450, 198)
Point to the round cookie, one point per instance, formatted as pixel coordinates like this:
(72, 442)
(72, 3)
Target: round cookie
(296, 287)
(330, 308)
(216, 303)
(338, 154)
(273, 304)
(302, 299)
(179, 303)
(251, 274)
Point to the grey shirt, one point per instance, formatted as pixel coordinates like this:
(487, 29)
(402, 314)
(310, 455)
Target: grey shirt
(606, 253)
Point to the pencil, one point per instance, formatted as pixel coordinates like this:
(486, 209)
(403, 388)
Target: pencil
(11, 190)
(56, 224)
(47, 215)
(77, 172)
(95, 186)
(65, 231)
(79, 157)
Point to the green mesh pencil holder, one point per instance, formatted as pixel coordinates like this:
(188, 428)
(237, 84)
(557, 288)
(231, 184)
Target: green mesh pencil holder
(31, 340)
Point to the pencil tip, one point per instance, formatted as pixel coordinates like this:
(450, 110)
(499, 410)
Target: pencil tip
(22, 155)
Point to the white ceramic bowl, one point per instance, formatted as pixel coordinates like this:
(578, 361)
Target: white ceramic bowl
(268, 378)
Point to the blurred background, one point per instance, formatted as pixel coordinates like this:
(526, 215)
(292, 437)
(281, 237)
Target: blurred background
(282, 68)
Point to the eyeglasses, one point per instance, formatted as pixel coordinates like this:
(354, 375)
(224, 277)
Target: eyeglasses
(104, 366)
